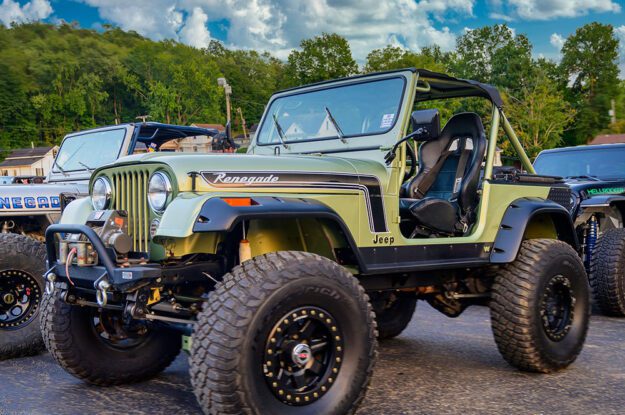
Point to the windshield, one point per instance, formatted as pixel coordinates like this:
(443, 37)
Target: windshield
(90, 150)
(365, 108)
(603, 163)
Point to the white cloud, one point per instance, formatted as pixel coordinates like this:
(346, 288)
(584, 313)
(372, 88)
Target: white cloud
(194, 32)
(279, 25)
(551, 9)
(12, 12)
(557, 41)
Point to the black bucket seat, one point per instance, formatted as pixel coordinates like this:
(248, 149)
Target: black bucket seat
(442, 197)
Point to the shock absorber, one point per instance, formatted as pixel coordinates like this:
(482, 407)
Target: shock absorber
(591, 239)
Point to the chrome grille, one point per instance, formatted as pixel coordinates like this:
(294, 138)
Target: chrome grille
(131, 189)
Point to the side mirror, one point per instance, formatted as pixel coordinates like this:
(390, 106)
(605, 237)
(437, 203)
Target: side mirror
(426, 121)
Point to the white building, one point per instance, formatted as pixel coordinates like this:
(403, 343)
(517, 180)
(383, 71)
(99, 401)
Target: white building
(36, 161)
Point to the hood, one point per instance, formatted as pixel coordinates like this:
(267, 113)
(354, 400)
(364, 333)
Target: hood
(36, 198)
(250, 168)
(586, 188)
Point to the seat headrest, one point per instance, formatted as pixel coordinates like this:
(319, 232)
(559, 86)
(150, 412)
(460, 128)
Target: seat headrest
(428, 120)
(465, 124)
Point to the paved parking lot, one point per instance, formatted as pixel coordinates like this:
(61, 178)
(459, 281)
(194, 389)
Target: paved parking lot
(438, 366)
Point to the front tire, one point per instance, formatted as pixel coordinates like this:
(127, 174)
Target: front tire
(284, 333)
(540, 307)
(95, 346)
(22, 264)
(607, 273)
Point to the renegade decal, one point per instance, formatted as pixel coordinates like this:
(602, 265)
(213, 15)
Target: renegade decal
(41, 202)
(369, 185)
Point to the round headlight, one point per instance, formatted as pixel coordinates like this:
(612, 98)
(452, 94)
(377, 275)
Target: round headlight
(159, 191)
(101, 193)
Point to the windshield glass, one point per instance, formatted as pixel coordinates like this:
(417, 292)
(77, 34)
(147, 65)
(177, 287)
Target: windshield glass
(90, 150)
(603, 163)
(357, 109)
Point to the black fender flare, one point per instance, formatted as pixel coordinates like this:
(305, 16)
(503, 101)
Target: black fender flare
(514, 223)
(216, 215)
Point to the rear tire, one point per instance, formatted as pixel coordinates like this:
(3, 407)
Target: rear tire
(540, 307)
(75, 338)
(293, 311)
(393, 312)
(607, 273)
(22, 264)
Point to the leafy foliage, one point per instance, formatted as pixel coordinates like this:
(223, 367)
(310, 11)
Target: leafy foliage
(589, 59)
(323, 57)
(55, 79)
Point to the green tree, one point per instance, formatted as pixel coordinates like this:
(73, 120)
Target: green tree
(327, 56)
(494, 54)
(541, 117)
(589, 60)
(394, 57)
(253, 76)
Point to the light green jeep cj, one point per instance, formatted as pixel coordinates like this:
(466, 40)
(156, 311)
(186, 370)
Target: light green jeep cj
(286, 264)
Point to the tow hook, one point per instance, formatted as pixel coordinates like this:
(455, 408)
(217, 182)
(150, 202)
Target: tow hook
(101, 293)
(50, 280)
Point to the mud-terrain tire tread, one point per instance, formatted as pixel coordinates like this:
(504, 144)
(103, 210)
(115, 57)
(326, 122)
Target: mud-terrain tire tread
(511, 306)
(12, 245)
(55, 326)
(607, 273)
(232, 304)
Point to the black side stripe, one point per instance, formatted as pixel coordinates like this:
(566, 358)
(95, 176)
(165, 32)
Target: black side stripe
(368, 185)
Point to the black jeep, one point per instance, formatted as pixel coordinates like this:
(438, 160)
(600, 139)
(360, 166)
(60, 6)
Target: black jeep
(596, 176)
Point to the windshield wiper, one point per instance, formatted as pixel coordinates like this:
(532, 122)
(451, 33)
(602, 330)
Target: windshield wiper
(91, 169)
(583, 176)
(339, 132)
(61, 169)
(280, 130)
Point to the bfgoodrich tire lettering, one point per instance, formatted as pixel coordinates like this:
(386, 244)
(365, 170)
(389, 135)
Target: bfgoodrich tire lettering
(531, 331)
(607, 273)
(228, 346)
(21, 259)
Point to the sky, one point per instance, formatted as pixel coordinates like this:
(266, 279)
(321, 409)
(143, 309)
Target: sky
(278, 26)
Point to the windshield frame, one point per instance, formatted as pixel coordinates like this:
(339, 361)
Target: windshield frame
(268, 114)
(56, 168)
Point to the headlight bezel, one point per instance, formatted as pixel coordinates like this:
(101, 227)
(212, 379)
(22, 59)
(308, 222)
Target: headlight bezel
(168, 191)
(107, 194)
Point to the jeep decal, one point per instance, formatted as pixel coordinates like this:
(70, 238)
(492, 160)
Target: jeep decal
(39, 202)
(369, 185)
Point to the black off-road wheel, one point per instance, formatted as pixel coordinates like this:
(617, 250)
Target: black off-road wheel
(540, 307)
(607, 273)
(98, 347)
(22, 264)
(284, 333)
(393, 312)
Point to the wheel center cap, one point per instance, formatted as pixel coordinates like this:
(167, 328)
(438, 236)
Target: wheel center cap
(301, 354)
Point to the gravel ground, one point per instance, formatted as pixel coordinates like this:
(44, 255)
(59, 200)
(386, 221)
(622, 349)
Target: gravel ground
(437, 366)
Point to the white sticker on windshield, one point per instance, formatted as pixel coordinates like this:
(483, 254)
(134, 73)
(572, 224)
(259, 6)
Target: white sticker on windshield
(387, 120)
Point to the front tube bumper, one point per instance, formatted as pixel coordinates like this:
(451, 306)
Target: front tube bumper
(120, 279)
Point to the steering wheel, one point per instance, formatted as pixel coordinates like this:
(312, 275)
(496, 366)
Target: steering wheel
(413, 162)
